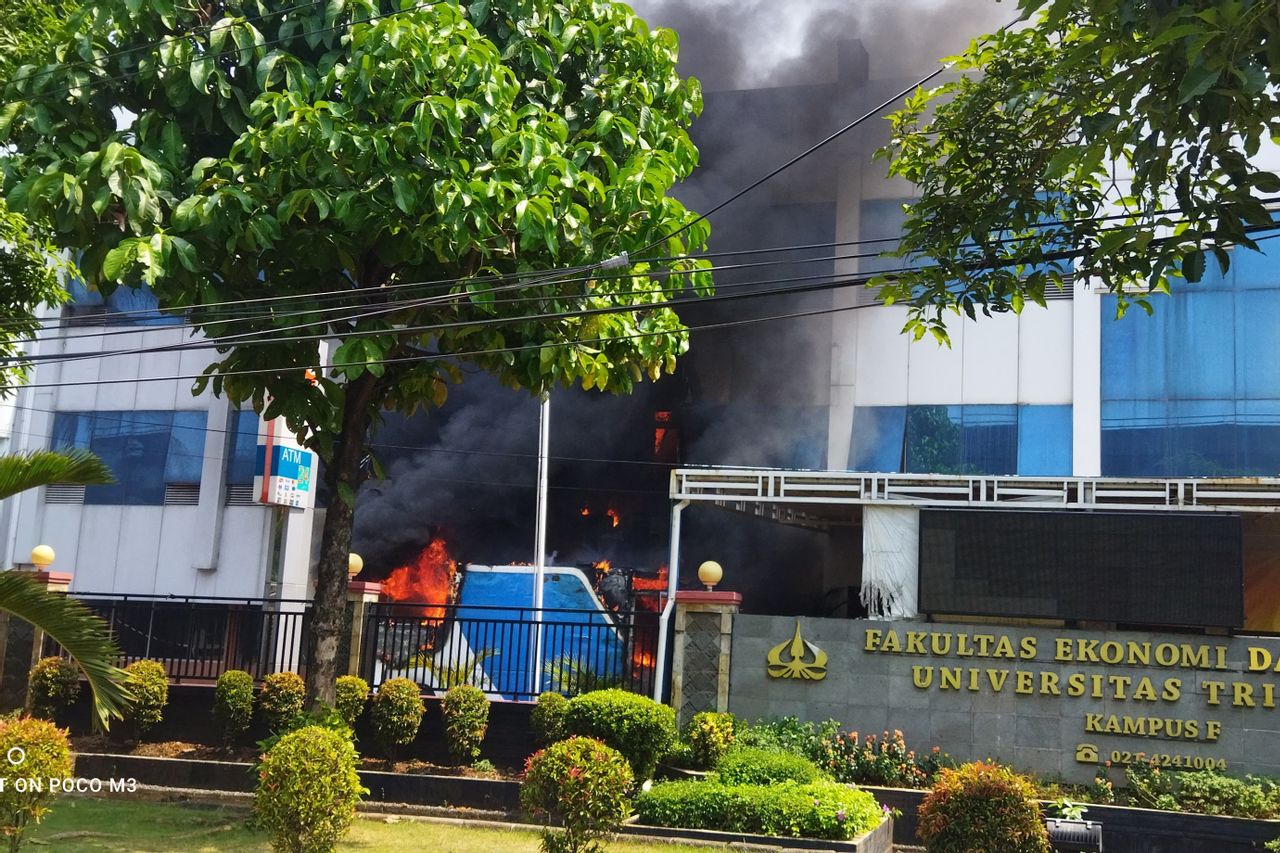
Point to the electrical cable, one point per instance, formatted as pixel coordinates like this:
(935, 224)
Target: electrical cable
(261, 338)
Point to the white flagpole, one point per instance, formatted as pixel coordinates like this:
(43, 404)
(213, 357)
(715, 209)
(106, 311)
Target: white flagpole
(540, 537)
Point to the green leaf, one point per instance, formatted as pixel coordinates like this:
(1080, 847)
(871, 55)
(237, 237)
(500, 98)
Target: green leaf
(403, 192)
(1193, 266)
(1197, 81)
(118, 260)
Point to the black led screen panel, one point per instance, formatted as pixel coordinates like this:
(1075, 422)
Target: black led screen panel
(1135, 568)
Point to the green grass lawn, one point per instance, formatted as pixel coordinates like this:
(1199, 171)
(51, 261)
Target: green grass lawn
(125, 826)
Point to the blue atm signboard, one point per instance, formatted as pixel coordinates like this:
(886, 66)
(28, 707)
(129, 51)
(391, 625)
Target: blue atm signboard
(285, 473)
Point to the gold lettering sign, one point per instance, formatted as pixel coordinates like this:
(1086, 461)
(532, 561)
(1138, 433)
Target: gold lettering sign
(803, 659)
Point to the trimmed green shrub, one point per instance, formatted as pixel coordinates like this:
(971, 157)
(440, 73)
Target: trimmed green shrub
(581, 784)
(548, 716)
(710, 734)
(638, 727)
(308, 790)
(233, 704)
(397, 713)
(281, 699)
(465, 710)
(789, 733)
(352, 692)
(817, 810)
(1203, 791)
(765, 767)
(981, 806)
(46, 754)
(147, 681)
(52, 684)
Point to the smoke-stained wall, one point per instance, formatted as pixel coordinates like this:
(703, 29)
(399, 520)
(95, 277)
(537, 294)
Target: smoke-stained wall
(778, 76)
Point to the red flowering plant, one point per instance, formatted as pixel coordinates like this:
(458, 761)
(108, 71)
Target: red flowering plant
(883, 760)
(581, 785)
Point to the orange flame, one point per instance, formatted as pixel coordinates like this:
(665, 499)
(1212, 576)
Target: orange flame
(604, 566)
(614, 516)
(658, 584)
(428, 579)
(585, 511)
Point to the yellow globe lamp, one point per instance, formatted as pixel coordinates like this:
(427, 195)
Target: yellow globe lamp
(354, 564)
(42, 557)
(710, 574)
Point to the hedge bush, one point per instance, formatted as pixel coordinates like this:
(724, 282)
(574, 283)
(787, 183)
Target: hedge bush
(46, 755)
(351, 694)
(52, 684)
(282, 697)
(149, 684)
(548, 716)
(233, 704)
(982, 806)
(308, 790)
(710, 734)
(397, 713)
(1203, 791)
(791, 734)
(823, 809)
(465, 710)
(765, 767)
(641, 729)
(581, 784)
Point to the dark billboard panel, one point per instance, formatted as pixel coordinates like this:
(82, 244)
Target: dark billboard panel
(1131, 568)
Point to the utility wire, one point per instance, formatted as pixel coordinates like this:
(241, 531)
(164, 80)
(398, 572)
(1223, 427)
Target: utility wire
(347, 293)
(272, 336)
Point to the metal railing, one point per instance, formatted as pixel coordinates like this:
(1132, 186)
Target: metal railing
(493, 648)
(199, 638)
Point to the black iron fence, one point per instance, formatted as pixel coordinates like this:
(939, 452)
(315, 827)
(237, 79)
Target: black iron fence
(512, 651)
(199, 638)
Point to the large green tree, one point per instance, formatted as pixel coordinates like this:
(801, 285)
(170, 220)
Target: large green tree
(1112, 138)
(228, 151)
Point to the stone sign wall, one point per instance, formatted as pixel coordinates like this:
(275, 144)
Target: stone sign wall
(1049, 700)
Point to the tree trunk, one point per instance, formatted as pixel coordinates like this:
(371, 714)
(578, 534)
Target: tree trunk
(329, 608)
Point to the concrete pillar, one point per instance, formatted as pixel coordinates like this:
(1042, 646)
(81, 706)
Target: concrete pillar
(700, 651)
(360, 594)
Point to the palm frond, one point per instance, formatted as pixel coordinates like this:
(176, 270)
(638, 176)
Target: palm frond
(22, 471)
(74, 627)
(452, 674)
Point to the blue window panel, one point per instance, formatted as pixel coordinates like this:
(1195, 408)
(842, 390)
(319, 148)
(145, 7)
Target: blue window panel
(144, 450)
(990, 439)
(1257, 269)
(1257, 344)
(81, 295)
(1044, 441)
(1259, 443)
(186, 448)
(244, 446)
(1201, 360)
(877, 440)
(134, 445)
(142, 306)
(1202, 438)
(71, 430)
(962, 439)
(1134, 354)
